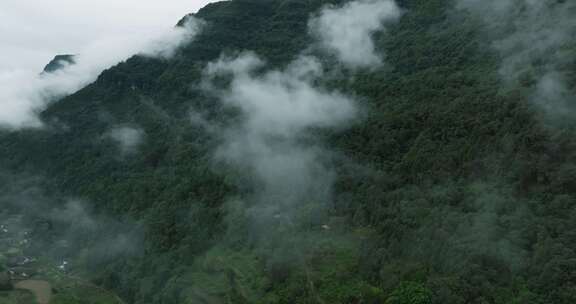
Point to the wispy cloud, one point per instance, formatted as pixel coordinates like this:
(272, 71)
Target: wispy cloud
(272, 145)
(128, 138)
(24, 93)
(347, 31)
(534, 40)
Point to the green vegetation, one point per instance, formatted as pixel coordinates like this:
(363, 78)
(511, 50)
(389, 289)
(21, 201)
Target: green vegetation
(17, 297)
(451, 188)
(25, 271)
(84, 295)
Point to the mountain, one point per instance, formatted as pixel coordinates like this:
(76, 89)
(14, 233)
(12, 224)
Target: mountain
(59, 62)
(260, 165)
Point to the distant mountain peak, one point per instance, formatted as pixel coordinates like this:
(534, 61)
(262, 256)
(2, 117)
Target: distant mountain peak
(59, 62)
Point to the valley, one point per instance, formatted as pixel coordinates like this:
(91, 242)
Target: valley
(27, 276)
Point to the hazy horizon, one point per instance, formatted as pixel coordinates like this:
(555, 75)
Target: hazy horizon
(34, 32)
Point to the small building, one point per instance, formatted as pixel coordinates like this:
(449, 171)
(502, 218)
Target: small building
(19, 261)
(22, 273)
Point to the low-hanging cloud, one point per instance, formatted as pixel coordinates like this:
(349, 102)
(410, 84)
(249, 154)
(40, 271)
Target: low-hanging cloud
(347, 31)
(127, 138)
(24, 93)
(272, 145)
(57, 228)
(533, 39)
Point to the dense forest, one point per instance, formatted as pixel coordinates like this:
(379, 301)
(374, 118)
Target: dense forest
(257, 165)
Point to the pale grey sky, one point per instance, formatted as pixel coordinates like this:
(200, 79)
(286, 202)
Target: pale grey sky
(33, 31)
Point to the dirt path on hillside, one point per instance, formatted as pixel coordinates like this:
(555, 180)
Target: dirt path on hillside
(41, 289)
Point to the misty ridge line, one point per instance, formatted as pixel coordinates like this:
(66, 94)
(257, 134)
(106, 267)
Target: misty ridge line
(272, 145)
(23, 94)
(273, 141)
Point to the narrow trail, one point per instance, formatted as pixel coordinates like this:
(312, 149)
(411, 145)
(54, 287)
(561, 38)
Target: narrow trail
(42, 290)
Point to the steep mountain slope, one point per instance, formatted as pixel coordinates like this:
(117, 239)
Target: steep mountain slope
(448, 186)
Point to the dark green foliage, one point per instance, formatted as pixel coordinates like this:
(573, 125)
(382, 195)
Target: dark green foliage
(449, 189)
(410, 293)
(5, 282)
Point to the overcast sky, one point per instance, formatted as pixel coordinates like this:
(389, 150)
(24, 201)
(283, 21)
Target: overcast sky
(33, 31)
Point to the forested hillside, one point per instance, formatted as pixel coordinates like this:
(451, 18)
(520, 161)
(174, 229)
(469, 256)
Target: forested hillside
(256, 165)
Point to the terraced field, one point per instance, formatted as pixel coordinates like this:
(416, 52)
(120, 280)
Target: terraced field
(42, 290)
